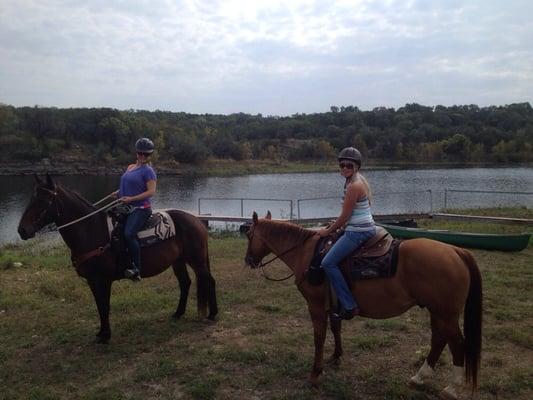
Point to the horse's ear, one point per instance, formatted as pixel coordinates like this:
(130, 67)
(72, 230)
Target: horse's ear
(38, 180)
(268, 216)
(49, 181)
(254, 217)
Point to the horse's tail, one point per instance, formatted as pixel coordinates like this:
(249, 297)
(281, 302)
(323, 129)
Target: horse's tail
(472, 319)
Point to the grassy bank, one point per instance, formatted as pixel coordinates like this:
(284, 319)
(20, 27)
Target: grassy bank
(260, 348)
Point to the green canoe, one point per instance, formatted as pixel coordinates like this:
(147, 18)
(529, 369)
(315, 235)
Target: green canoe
(488, 241)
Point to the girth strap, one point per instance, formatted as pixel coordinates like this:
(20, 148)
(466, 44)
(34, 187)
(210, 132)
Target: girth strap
(77, 261)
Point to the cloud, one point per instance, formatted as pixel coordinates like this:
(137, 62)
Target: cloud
(270, 57)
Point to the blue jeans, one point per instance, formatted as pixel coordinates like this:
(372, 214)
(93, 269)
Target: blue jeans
(343, 247)
(134, 223)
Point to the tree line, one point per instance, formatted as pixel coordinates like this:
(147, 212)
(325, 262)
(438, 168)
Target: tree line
(413, 133)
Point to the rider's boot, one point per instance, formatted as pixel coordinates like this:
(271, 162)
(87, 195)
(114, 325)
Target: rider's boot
(133, 273)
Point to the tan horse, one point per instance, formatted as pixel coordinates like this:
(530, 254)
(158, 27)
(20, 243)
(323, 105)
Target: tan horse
(443, 278)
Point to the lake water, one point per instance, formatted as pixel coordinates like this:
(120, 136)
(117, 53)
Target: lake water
(395, 191)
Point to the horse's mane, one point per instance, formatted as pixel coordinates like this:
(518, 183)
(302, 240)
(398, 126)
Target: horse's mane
(282, 228)
(72, 194)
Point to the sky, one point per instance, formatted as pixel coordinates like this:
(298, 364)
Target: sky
(273, 57)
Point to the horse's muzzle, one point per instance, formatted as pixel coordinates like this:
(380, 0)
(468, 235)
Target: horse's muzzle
(251, 262)
(24, 234)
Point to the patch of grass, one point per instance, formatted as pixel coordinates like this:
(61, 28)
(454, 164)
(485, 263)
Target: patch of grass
(104, 394)
(518, 380)
(242, 356)
(260, 347)
(386, 325)
(366, 343)
(202, 388)
(337, 387)
(269, 308)
(41, 394)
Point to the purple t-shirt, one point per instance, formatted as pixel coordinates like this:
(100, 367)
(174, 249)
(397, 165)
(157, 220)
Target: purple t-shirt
(133, 182)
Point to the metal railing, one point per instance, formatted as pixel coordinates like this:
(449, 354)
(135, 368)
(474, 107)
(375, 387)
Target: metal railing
(242, 200)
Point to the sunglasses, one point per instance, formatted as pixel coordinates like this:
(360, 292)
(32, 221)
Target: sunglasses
(345, 165)
(140, 153)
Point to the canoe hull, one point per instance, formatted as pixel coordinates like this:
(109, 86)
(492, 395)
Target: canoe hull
(502, 242)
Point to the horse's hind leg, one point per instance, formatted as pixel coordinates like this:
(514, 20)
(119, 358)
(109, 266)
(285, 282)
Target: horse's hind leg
(444, 330)
(456, 344)
(438, 341)
(180, 270)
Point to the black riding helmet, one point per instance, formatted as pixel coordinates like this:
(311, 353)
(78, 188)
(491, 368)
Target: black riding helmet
(144, 145)
(351, 154)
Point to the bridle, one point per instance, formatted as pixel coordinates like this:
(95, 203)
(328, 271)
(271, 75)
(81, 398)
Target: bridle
(52, 200)
(262, 264)
(77, 260)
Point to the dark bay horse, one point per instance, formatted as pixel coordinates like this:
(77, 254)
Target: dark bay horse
(443, 278)
(86, 239)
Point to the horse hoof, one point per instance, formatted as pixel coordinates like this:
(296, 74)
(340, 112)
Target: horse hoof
(101, 340)
(334, 361)
(212, 318)
(314, 383)
(448, 394)
(102, 337)
(176, 316)
(415, 383)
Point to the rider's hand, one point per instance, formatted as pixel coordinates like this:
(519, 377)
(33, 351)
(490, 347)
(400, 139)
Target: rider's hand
(126, 199)
(114, 195)
(323, 232)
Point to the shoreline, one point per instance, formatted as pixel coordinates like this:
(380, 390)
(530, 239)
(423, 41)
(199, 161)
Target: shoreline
(225, 168)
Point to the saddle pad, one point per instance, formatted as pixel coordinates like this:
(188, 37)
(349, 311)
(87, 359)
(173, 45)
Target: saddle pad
(384, 266)
(159, 227)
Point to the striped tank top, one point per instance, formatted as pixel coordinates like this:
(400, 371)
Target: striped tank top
(361, 219)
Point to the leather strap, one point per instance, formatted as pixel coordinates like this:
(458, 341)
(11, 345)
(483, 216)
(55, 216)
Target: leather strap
(77, 261)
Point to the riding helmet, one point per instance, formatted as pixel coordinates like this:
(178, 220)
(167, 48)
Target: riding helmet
(350, 153)
(144, 145)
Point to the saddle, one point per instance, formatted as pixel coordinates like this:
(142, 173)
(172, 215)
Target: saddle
(376, 258)
(157, 228)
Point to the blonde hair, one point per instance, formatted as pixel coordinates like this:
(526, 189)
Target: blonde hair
(367, 187)
(358, 175)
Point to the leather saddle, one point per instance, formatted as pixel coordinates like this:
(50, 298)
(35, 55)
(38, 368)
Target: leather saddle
(376, 258)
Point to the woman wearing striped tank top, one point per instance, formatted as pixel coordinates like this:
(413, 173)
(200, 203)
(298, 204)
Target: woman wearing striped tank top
(359, 225)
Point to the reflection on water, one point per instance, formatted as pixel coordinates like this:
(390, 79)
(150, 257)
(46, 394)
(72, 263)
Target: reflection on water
(395, 191)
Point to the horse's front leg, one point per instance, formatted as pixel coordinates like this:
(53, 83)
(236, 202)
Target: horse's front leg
(317, 310)
(336, 325)
(101, 288)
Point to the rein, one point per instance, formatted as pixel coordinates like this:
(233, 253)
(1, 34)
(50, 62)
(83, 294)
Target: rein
(262, 264)
(104, 208)
(77, 261)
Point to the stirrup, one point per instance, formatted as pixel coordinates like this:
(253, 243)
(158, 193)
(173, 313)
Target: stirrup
(346, 314)
(132, 273)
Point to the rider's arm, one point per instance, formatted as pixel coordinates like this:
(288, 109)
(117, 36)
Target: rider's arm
(353, 193)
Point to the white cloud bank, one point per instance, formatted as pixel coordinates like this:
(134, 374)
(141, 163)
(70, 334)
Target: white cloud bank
(264, 56)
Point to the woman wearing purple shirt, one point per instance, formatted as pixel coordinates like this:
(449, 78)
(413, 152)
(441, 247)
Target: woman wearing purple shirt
(137, 187)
